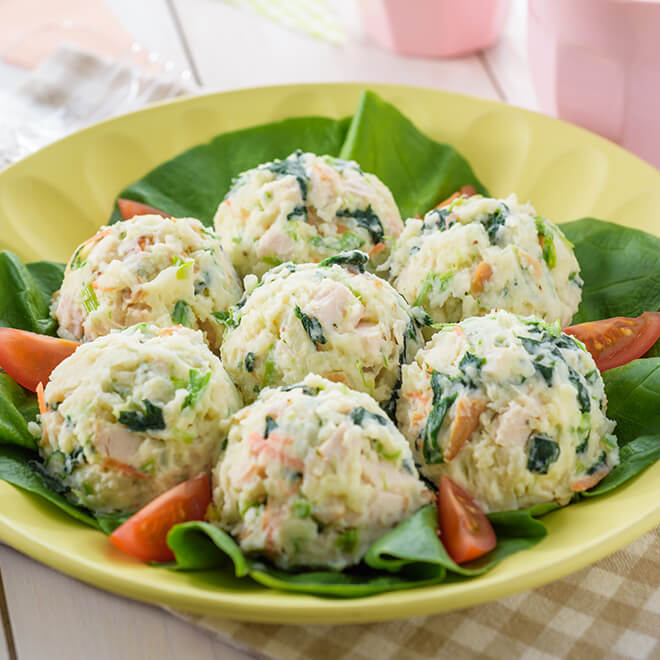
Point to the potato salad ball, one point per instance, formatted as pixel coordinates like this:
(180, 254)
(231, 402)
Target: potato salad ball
(132, 414)
(478, 254)
(303, 209)
(313, 474)
(330, 319)
(149, 269)
(511, 409)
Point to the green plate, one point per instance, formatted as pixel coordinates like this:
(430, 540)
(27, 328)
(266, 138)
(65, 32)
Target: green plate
(56, 198)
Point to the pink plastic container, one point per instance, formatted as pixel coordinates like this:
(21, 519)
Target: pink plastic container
(433, 28)
(596, 63)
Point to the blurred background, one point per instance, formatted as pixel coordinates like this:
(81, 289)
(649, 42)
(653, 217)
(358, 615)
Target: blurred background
(67, 63)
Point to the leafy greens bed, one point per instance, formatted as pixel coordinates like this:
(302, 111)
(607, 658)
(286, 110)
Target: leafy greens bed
(420, 172)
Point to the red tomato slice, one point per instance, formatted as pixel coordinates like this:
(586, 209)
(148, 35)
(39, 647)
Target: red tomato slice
(464, 529)
(29, 358)
(144, 535)
(129, 209)
(619, 340)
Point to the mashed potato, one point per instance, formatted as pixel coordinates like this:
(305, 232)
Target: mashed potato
(132, 414)
(328, 319)
(149, 269)
(303, 209)
(313, 474)
(509, 408)
(479, 254)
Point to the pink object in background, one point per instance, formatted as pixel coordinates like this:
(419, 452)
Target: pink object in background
(433, 28)
(31, 30)
(596, 63)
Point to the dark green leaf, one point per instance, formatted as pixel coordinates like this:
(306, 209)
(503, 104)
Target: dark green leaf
(354, 260)
(633, 396)
(17, 408)
(195, 182)
(419, 171)
(23, 304)
(366, 219)
(292, 166)
(312, 327)
(149, 419)
(271, 425)
(199, 545)
(47, 276)
(620, 268)
(633, 458)
(444, 394)
(358, 415)
(15, 468)
(542, 452)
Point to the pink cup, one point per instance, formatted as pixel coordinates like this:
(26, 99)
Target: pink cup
(433, 28)
(596, 63)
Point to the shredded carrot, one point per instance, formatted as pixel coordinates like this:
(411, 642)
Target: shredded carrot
(113, 463)
(588, 482)
(379, 247)
(341, 229)
(465, 191)
(419, 396)
(41, 399)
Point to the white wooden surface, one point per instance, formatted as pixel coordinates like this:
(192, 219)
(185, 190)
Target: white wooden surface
(53, 616)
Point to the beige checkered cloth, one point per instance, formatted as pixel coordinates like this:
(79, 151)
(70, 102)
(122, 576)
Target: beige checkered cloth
(609, 610)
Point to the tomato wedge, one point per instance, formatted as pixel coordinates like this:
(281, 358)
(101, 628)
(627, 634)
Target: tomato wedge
(619, 340)
(129, 209)
(464, 529)
(144, 535)
(29, 358)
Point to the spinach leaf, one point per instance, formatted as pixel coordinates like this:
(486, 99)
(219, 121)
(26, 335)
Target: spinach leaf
(584, 400)
(271, 425)
(195, 182)
(249, 362)
(470, 367)
(150, 419)
(200, 545)
(444, 394)
(419, 171)
(620, 268)
(23, 303)
(292, 166)
(358, 416)
(312, 327)
(17, 408)
(367, 219)
(411, 555)
(542, 452)
(494, 222)
(15, 468)
(306, 389)
(353, 261)
(633, 392)
(47, 276)
(634, 457)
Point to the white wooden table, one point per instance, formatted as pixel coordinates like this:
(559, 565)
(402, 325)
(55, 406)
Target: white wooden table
(49, 615)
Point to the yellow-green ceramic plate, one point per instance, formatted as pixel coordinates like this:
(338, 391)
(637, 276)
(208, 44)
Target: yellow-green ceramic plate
(58, 197)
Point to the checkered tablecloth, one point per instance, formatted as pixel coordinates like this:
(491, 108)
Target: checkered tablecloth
(608, 610)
